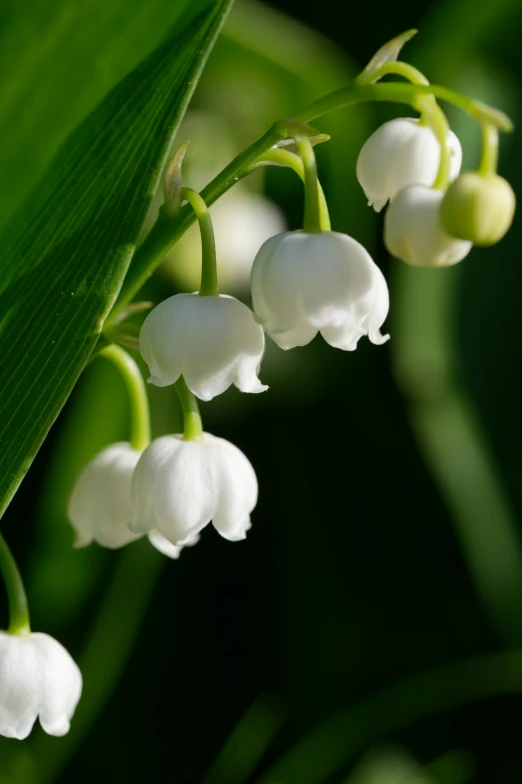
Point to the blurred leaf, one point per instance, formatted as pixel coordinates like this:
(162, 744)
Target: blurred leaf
(306, 65)
(70, 248)
(248, 742)
(444, 418)
(455, 767)
(389, 766)
(333, 743)
(457, 29)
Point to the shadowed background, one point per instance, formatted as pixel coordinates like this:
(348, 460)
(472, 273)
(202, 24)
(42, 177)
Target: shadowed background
(387, 539)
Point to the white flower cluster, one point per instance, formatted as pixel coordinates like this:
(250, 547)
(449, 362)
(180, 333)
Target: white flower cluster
(302, 283)
(170, 491)
(399, 164)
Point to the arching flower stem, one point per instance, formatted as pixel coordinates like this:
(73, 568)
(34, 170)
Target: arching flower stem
(167, 231)
(283, 157)
(138, 400)
(19, 622)
(397, 68)
(192, 424)
(209, 283)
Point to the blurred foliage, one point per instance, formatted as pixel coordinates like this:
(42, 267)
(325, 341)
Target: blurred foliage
(386, 475)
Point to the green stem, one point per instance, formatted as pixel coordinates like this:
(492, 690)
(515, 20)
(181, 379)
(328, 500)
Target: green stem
(326, 749)
(193, 426)
(209, 284)
(19, 622)
(489, 159)
(283, 157)
(436, 119)
(311, 220)
(399, 68)
(166, 231)
(397, 92)
(138, 401)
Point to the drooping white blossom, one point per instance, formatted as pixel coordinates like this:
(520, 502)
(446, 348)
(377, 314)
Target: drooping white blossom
(38, 678)
(400, 153)
(304, 283)
(99, 507)
(212, 341)
(180, 486)
(413, 230)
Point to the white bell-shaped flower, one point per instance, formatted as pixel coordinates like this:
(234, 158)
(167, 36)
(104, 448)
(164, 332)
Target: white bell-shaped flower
(400, 153)
(99, 507)
(304, 283)
(212, 341)
(179, 486)
(413, 230)
(38, 678)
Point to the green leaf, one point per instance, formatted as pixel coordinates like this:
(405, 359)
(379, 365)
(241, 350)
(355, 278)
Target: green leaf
(69, 249)
(62, 57)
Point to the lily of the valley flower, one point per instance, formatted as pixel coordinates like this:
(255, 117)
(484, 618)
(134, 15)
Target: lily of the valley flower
(212, 341)
(400, 153)
(179, 486)
(99, 507)
(305, 283)
(37, 678)
(413, 230)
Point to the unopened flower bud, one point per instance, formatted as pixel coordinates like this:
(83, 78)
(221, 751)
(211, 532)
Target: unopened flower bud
(478, 208)
(400, 153)
(413, 231)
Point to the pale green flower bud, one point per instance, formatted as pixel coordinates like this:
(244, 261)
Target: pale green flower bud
(478, 208)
